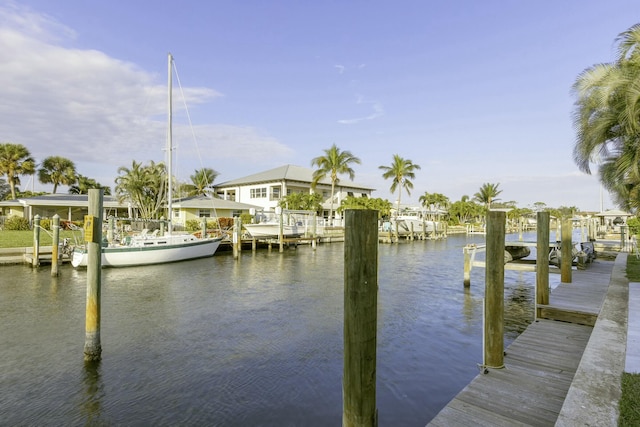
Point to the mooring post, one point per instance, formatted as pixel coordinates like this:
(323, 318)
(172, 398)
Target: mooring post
(35, 260)
(542, 260)
(236, 237)
(360, 318)
(93, 238)
(55, 228)
(467, 265)
(203, 227)
(281, 230)
(110, 228)
(494, 291)
(566, 256)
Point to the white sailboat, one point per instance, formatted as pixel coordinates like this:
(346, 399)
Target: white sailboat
(147, 249)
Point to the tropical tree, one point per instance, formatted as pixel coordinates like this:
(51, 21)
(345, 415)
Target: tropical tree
(434, 202)
(57, 170)
(302, 201)
(15, 160)
(332, 164)
(145, 186)
(488, 193)
(400, 172)
(465, 210)
(84, 184)
(201, 182)
(4, 188)
(383, 206)
(606, 120)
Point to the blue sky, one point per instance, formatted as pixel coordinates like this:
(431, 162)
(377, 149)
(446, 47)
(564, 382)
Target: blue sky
(472, 91)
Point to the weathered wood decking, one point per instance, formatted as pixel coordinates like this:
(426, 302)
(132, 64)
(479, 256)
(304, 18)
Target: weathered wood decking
(539, 365)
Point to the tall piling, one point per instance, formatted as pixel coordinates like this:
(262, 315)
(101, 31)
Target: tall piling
(35, 260)
(360, 318)
(542, 259)
(93, 239)
(55, 228)
(494, 291)
(566, 255)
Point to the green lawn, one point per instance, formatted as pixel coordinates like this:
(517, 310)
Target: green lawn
(630, 400)
(24, 239)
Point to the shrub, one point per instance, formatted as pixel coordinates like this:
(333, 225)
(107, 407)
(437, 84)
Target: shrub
(45, 223)
(15, 222)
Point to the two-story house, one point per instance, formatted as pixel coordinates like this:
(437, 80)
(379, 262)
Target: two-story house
(266, 188)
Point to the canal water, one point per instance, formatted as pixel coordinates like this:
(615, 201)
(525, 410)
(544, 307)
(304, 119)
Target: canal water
(250, 342)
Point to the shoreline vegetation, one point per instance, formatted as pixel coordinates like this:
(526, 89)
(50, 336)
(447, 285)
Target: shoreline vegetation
(630, 398)
(24, 239)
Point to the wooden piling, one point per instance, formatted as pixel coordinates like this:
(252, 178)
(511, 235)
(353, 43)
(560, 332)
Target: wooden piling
(93, 238)
(281, 232)
(542, 259)
(111, 226)
(494, 291)
(360, 318)
(467, 266)
(237, 236)
(35, 261)
(55, 228)
(566, 256)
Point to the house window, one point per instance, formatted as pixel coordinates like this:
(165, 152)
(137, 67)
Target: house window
(365, 195)
(350, 193)
(276, 191)
(204, 213)
(258, 193)
(176, 213)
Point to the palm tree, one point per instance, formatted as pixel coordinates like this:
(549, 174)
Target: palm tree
(487, 194)
(201, 181)
(57, 170)
(400, 171)
(333, 163)
(434, 202)
(145, 186)
(15, 160)
(84, 184)
(606, 119)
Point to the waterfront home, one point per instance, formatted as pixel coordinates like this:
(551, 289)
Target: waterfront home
(73, 207)
(265, 189)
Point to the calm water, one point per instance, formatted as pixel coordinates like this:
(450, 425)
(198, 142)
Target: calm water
(252, 342)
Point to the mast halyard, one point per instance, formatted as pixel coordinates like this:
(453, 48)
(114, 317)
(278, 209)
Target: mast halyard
(170, 144)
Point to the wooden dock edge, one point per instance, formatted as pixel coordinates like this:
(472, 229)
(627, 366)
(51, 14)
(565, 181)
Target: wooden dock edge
(564, 315)
(594, 394)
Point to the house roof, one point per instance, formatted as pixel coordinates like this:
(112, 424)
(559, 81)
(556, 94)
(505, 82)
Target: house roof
(82, 200)
(614, 212)
(73, 200)
(288, 173)
(205, 202)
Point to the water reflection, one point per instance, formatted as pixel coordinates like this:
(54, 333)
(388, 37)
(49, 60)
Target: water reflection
(253, 341)
(91, 407)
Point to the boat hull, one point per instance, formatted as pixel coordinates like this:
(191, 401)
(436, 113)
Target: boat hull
(128, 256)
(264, 230)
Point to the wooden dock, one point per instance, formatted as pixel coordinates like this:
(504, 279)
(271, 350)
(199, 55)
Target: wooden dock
(539, 365)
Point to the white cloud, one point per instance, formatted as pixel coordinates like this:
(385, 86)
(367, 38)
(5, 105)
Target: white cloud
(98, 110)
(378, 111)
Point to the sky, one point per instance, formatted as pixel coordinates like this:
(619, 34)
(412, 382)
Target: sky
(472, 91)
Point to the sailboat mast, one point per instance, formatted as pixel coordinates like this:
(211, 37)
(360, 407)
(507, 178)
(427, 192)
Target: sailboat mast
(170, 144)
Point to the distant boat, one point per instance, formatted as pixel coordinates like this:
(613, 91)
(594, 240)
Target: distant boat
(410, 221)
(294, 224)
(145, 249)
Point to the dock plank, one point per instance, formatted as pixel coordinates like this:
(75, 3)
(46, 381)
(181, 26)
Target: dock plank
(539, 365)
